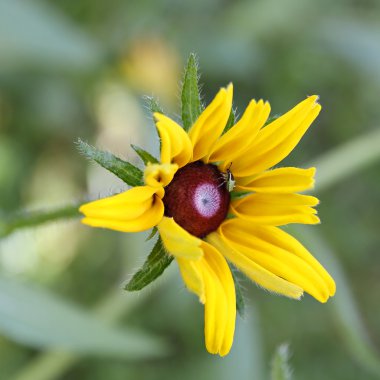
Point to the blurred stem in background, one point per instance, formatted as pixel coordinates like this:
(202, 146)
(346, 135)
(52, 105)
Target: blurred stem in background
(35, 218)
(280, 364)
(344, 307)
(345, 160)
(53, 363)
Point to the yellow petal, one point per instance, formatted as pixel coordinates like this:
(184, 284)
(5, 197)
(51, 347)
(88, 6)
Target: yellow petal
(289, 261)
(281, 180)
(192, 277)
(276, 209)
(275, 141)
(280, 238)
(254, 271)
(242, 134)
(210, 124)
(178, 241)
(215, 310)
(176, 146)
(124, 212)
(220, 307)
(211, 279)
(127, 205)
(159, 175)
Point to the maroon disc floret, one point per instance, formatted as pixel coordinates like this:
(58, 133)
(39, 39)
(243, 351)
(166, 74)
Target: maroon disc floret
(197, 198)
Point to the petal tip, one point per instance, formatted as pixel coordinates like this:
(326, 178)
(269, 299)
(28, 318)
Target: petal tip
(332, 288)
(314, 98)
(157, 116)
(312, 171)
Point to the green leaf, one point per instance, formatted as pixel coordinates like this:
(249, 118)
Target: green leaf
(152, 234)
(32, 316)
(191, 100)
(271, 119)
(280, 364)
(127, 172)
(157, 261)
(144, 155)
(152, 104)
(230, 121)
(240, 302)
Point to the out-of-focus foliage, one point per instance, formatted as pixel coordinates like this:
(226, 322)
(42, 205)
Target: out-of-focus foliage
(72, 69)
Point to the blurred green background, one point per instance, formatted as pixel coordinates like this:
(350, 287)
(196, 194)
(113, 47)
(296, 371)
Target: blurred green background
(79, 68)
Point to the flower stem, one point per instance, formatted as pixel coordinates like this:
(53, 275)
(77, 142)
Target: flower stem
(344, 308)
(34, 218)
(345, 160)
(280, 364)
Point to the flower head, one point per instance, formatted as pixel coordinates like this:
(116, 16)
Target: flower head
(215, 198)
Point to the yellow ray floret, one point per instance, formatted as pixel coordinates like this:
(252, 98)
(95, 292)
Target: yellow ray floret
(281, 180)
(192, 276)
(220, 307)
(210, 124)
(175, 143)
(159, 175)
(280, 254)
(178, 241)
(275, 141)
(137, 209)
(276, 209)
(241, 135)
(254, 271)
(211, 279)
(206, 273)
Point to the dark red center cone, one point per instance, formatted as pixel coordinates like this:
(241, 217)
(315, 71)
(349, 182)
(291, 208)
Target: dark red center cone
(197, 198)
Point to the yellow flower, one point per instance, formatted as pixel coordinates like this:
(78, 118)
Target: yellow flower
(187, 197)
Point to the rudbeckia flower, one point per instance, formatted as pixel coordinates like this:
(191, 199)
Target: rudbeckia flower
(215, 199)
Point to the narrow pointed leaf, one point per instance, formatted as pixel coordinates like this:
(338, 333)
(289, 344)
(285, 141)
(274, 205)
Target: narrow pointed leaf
(146, 157)
(157, 261)
(152, 104)
(230, 121)
(240, 302)
(152, 234)
(127, 172)
(191, 100)
(271, 119)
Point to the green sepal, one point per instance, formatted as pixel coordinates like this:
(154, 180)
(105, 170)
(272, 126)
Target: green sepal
(152, 234)
(152, 104)
(239, 194)
(230, 122)
(127, 172)
(146, 157)
(271, 119)
(240, 302)
(157, 261)
(190, 96)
